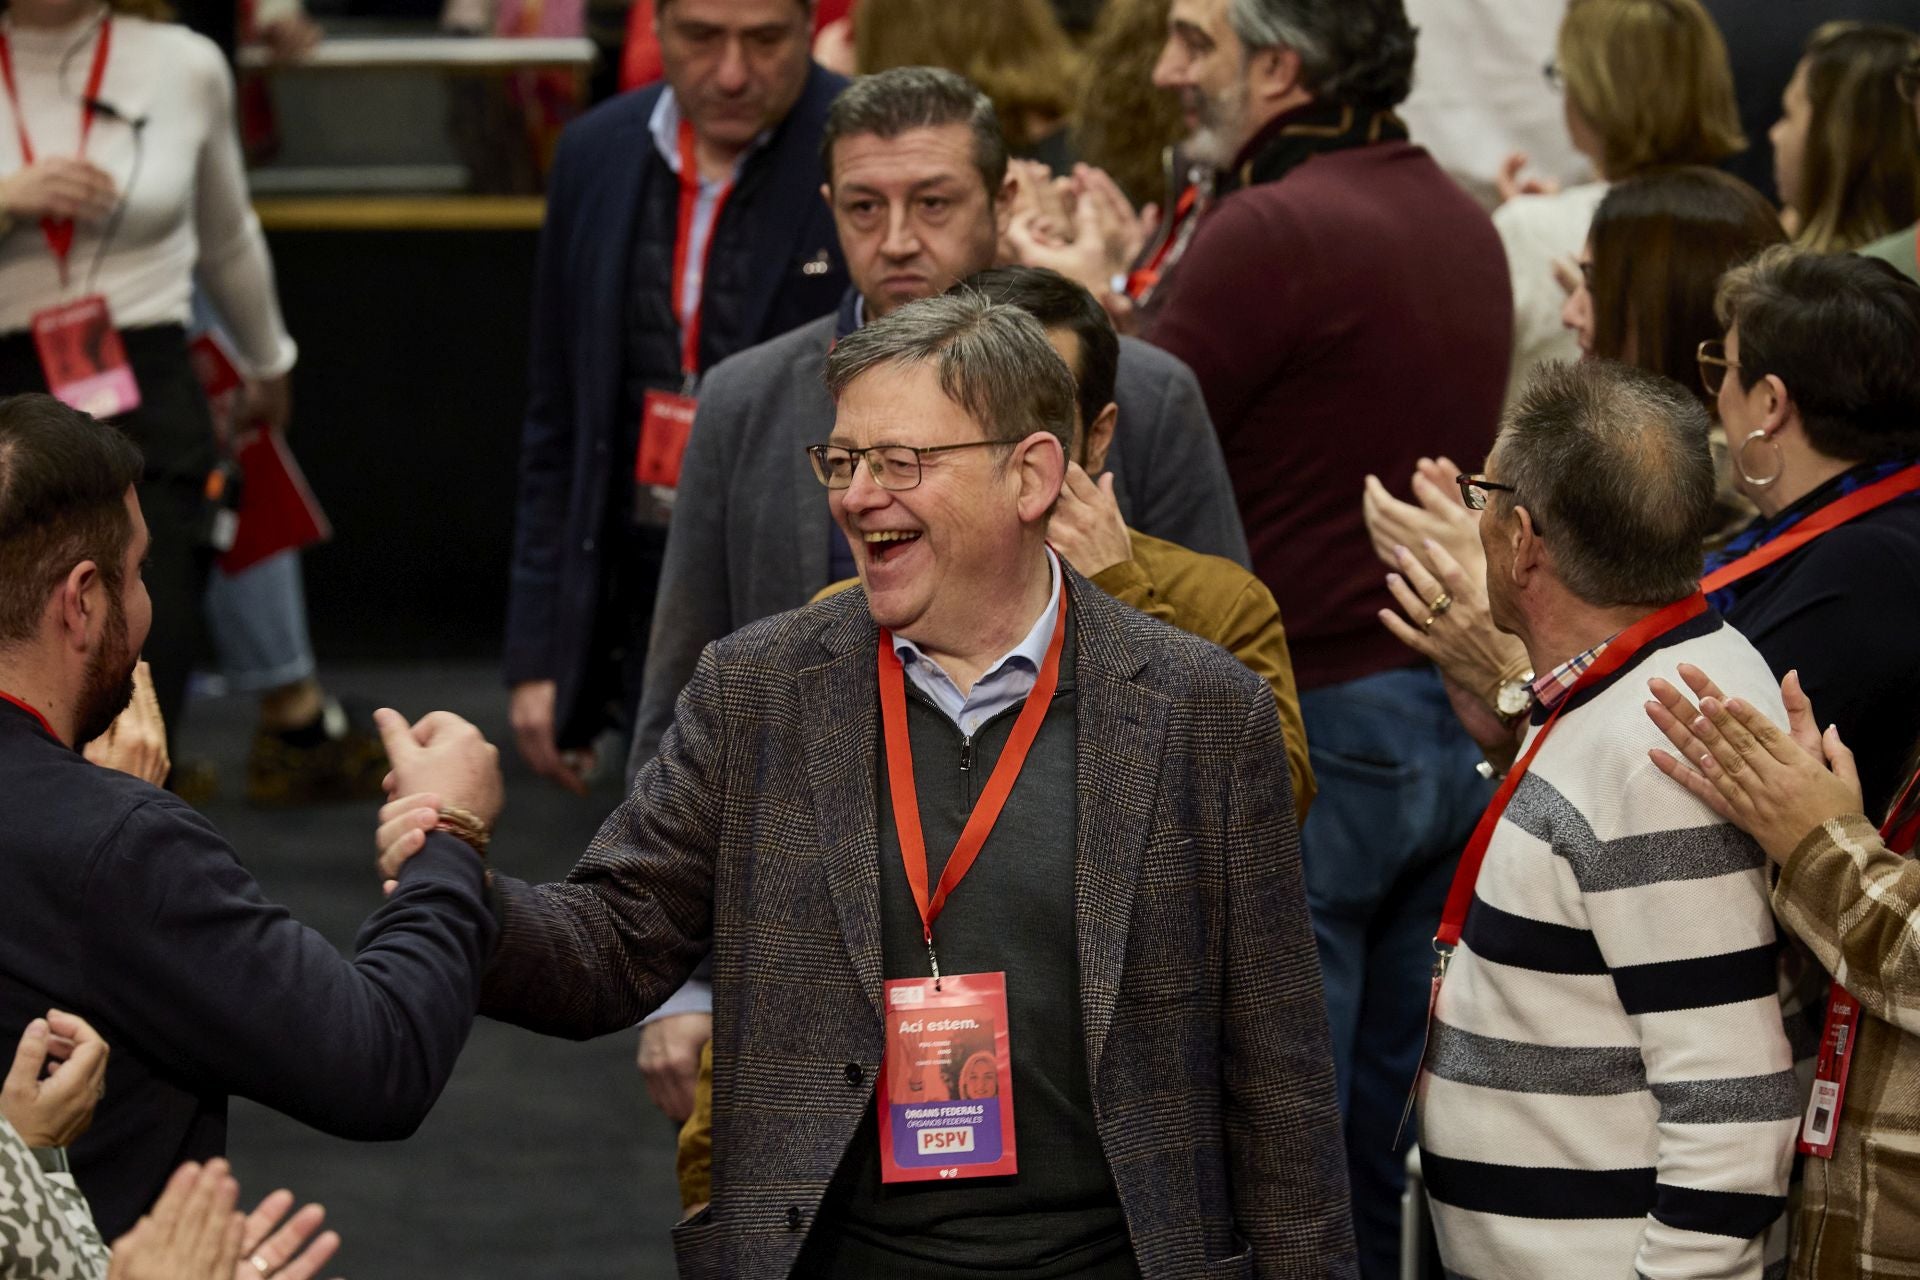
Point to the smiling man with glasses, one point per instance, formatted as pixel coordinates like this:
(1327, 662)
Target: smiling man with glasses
(977, 794)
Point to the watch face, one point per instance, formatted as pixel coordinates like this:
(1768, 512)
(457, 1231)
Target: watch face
(1514, 697)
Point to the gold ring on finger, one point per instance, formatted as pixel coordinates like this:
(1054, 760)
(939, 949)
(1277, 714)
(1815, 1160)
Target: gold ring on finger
(261, 1265)
(1441, 604)
(1428, 624)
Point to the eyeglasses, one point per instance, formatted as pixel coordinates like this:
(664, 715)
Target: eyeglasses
(893, 466)
(1474, 491)
(1556, 79)
(1712, 357)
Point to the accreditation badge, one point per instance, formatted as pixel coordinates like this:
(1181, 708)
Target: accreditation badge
(946, 1083)
(83, 359)
(666, 422)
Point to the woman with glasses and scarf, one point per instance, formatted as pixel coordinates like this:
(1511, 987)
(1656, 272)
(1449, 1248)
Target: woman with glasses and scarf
(1815, 384)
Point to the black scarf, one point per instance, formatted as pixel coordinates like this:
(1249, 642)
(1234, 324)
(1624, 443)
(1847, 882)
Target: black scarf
(1290, 140)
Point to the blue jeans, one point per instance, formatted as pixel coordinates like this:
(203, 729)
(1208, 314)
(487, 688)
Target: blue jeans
(1398, 800)
(258, 619)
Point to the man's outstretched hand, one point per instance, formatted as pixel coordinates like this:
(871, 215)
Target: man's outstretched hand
(440, 762)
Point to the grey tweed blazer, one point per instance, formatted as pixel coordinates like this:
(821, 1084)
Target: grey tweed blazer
(754, 832)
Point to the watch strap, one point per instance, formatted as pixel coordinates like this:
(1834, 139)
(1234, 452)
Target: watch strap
(51, 1159)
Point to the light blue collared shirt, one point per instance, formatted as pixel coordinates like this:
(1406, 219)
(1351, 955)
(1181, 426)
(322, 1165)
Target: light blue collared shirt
(1006, 683)
(664, 125)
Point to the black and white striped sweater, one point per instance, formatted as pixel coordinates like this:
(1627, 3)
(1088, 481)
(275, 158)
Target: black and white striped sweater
(1608, 1090)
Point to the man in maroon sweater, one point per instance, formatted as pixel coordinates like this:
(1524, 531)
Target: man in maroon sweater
(1346, 308)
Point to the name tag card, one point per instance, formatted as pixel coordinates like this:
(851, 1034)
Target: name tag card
(84, 361)
(946, 1083)
(666, 421)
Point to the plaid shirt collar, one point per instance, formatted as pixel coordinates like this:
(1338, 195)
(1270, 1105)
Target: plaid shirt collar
(1550, 689)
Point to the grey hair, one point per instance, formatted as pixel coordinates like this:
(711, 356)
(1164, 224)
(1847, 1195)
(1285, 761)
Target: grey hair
(888, 103)
(1613, 464)
(994, 361)
(1357, 52)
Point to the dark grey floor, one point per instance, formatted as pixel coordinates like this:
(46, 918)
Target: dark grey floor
(543, 1157)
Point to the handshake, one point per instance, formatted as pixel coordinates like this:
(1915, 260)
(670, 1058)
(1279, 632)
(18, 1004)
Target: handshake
(444, 775)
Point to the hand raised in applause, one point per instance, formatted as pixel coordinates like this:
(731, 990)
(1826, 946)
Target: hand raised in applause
(1436, 513)
(1513, 180)
(283, 1247)
(192, 1233)
(58, 1075)
(1447, 620)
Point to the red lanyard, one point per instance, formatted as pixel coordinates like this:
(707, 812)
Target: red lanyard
(986, 811)
(689, 200)
(1617, 654)
(32, 711)
(1146, 277)
(59, 231)
(1832, 516)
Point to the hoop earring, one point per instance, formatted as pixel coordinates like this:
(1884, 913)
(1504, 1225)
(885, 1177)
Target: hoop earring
(1779, 461)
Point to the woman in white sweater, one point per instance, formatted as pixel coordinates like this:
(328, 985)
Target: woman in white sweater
(1647, 85)
(152, 180)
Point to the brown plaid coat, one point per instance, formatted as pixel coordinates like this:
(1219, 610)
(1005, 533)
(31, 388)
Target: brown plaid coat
(754, 831)
(1856, 905)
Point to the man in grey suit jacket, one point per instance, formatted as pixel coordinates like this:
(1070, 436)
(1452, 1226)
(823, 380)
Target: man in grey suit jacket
(1139, 898)
(917, 173)
(752, 537)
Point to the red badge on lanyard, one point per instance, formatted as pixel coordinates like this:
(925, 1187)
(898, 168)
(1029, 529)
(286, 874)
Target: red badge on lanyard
(946, 1083)
(81, 355)
(666, 418)
(1842, 1030)
(1453, 919)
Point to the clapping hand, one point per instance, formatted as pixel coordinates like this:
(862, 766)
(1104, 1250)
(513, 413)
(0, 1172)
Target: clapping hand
(58, 1075)
(1439, 515)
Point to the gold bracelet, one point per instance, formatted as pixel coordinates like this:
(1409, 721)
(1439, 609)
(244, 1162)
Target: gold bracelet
(466, 826)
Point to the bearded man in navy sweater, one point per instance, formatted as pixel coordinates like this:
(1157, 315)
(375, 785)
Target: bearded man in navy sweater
(122, 904)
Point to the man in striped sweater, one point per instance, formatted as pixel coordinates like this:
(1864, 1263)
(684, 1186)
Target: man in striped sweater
(1608, 1089)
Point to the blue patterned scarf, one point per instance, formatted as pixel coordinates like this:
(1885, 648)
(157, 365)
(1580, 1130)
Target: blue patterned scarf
(1764, 530)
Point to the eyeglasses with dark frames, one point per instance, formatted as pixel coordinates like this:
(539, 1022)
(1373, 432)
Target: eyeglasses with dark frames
(1475, 491)
(894, 467)
(1711, 356)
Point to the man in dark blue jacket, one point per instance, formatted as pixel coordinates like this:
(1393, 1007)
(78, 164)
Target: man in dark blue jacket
(683, 225)
(121, 904)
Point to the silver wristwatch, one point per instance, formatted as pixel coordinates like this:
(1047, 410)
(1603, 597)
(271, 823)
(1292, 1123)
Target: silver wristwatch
(51, 1159)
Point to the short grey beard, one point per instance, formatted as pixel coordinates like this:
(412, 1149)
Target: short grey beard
(1217, 141)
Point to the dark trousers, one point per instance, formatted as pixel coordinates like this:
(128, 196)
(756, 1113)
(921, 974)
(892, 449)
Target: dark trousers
(175, 433)
(1398, 800)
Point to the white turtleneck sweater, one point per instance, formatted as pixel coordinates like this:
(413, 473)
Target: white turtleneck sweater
(187, 208)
